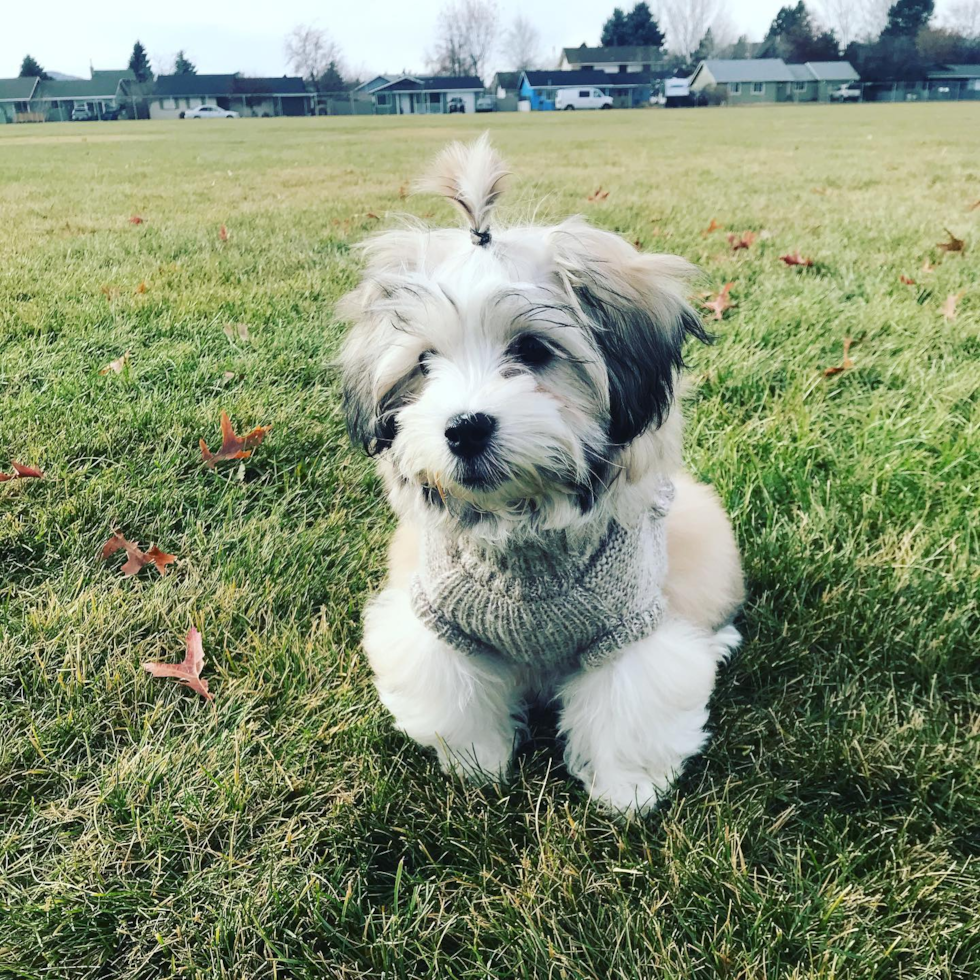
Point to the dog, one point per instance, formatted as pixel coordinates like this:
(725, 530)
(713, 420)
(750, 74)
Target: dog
(518, 388)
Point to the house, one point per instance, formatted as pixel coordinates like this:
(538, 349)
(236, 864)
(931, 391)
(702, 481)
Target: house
(953, 82)
(401, 95)
(172, 95)
(628, 89)
(15, 98)
(615, 61)
(54, 100)
(758, 80)
(506, 86)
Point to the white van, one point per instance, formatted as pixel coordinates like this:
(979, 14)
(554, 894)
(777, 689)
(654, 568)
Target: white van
(582, 98)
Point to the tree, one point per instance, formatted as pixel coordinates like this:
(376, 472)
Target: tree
(183, 66)
(907, 17)
(843, 16)
(331, 80)
(636, 27)
(687, 22)
(705, 48)
(310, 52)
(465, 38)
(139, 63)
(963, 17)
(792, 37)
(29, 68)
(522, 45)
(740, 49)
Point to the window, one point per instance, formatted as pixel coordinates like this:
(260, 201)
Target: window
(584, 93)
(758, 88)
(799, 86)
(734, 88)
(587, 67)
(596, 94)
(381, 98)
(434, 98)
(622, 68)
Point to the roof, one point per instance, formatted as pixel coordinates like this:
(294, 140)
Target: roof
(113, 76)
(800, 73)
(277, 85)
(833, 71)
(17, 89)
(954, 71)
(643, 53)
(433, 83)
(102, 85)
(374, 83)
(591, 76)
(198, 86)
(749, 70)
(507, 80)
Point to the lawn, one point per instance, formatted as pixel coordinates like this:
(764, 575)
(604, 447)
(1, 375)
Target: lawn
(832, 828)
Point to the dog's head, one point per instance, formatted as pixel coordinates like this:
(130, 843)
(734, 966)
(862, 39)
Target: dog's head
(506, 377)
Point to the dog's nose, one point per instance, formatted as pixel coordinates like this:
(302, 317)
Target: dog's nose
(468, 434)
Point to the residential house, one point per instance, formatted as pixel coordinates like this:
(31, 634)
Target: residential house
(759, 80)
(628, 89)
(15, 98)
(953, 82)
(54, 100)
(402, 95)
(172, 95)
(505, 86)
(614, 60)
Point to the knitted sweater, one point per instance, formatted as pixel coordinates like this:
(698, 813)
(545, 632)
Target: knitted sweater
(546, 603)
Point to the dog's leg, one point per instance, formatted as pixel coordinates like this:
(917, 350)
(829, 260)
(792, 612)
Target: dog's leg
(631, 722)
(467, 708)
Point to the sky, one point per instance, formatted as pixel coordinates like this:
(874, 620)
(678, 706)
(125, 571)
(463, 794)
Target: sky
(247, 35)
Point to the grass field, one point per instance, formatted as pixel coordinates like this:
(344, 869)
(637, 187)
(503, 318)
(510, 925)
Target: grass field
(832, 829)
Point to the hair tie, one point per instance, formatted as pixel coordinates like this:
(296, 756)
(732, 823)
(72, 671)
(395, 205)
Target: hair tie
(481, 238)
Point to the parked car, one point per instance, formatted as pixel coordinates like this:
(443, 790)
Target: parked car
(210, 112)
(486, 103)
(582, 98)
(456, 104)
(81, 113)
(848, 92)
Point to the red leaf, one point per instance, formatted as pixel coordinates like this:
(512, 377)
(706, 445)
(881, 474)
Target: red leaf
(21, 472)
(232, 446)
(714, 226)
(189, 670)
(794, 258)
(721, 302)
(847, 362)
(136, 220)
(223, 233)
(906, 281)
(599, 195)
(136, 559)
(744, 240)
(141, 288)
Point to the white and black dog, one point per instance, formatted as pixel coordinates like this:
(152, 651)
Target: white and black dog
(518, 388)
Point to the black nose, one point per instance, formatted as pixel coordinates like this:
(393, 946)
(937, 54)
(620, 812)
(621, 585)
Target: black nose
(469, 434)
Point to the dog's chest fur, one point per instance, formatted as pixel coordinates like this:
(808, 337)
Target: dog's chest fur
(548, 602)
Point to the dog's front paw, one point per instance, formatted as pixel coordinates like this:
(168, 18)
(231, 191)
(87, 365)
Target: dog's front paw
(627, 795)
(481, 763)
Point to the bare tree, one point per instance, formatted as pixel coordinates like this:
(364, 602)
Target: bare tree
(465, 38)
(310, 51)
(522, 44)
(687, 21)
(964, 18)
(843, 18)
(871, 17)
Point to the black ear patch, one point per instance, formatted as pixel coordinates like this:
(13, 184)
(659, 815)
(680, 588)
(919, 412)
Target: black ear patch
(641, 354)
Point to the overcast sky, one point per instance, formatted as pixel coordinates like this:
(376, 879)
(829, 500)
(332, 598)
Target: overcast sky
(247, 35)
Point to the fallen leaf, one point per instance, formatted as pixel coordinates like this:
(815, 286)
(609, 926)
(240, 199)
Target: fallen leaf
(906, 281)
(744, 240)
(189, 670)
(228, 376)
(721, 302)
(373, 216)
(847, 363)
(953, 245)
(948, 309)
(117, 365)
(223, 233)
(21, 472)
(232, 330)
(136, 559)
(599, 195)
(141, 288)
(136, 220)
(232, 446)
(927, 266)
(714, 226)
(795, 258)
(403, 191)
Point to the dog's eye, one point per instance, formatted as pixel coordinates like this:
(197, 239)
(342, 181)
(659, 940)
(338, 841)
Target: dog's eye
(424, 360)
(530, 350)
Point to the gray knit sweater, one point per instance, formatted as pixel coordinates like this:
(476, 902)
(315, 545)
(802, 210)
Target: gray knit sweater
(546, 603)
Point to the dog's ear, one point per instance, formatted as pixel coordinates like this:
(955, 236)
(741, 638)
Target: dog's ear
(636, 308)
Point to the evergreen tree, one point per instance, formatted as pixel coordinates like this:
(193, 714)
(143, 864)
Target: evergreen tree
(705, 48)
(907, 17)
(332, 80)
(139, 64)
(614, 30)
(740, 49)
(636, 27)
(183, 66)
(29, 68)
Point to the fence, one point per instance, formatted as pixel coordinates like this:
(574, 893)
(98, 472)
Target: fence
(932, 91)
(344, 104)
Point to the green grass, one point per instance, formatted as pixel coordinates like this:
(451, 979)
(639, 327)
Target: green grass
(832, 828)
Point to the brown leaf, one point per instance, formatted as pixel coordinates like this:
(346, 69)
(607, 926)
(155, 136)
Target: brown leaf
(720, 302)
(141, 288)
(231, 330)
(223, 233)
(189, 670)
(136, 559)
(847, 363)
(403, 191)
(948, 309)
(906, 281)
(117, 366)
(136, 220)
(714, 226)
(232, 446)
(21, 472)
(794, 258)
(744, 240)
(373, 216)
(599, 195)
(953, 245)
